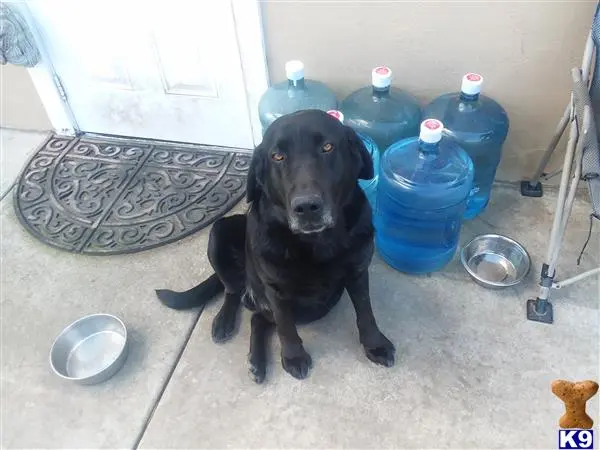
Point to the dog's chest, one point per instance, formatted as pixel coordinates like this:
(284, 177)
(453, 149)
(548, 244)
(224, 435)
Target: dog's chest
(309, 291)
(313, 281)
(305, 271)
(307, 278)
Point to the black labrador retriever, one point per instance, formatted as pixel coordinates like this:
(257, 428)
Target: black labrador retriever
(307, 236)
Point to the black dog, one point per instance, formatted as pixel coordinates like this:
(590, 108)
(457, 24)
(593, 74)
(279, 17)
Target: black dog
(308, 235)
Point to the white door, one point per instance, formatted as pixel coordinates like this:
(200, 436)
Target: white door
(164, 70)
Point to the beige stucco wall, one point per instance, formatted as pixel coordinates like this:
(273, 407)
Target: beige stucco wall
(524, 50)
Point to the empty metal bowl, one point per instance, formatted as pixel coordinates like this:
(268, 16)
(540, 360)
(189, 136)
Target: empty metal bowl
(495, 261)
(90, 350)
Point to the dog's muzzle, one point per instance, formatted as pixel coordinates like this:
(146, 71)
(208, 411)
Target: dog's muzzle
(309, 214)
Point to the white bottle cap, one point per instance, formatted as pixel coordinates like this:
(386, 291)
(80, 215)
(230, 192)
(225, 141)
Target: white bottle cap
(471, 84)
(431, 131)
(337, 114)
(294, 70)
(381, 77)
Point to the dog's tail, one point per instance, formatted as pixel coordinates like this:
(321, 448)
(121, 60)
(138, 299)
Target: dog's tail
(197, 296)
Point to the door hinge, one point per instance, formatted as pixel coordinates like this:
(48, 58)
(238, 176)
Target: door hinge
(60, 88)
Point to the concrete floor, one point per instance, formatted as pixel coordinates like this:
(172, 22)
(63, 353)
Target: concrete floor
(471, 371)
(16, 146)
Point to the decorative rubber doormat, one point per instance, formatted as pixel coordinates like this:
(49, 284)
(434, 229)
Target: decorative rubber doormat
(109, 196)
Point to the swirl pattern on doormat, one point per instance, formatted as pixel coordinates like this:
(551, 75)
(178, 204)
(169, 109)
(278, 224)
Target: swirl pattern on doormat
(110, 196)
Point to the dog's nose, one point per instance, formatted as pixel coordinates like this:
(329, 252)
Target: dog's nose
(307, 204)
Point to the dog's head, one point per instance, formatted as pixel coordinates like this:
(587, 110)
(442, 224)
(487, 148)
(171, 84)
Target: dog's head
(307, 168)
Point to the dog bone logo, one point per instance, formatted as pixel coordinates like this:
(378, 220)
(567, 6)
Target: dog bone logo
(575, 396)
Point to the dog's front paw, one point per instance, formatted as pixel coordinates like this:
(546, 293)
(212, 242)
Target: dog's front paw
(381, 352)
(297, 366)
(257, 370)
(224, 326)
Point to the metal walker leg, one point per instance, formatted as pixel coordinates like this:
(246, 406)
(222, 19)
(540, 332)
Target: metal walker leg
(540, 309)
(533, 187)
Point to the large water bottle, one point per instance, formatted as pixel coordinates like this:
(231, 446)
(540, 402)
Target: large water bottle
(369, 187)
(480, 126)
(294, 94)
(422, 195)
(384, 113)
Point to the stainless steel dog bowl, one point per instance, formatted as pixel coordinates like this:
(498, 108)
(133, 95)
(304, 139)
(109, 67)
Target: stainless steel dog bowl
(495, 261)
(90, 350)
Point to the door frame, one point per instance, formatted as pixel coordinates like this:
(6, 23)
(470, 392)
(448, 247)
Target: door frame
(253, 62)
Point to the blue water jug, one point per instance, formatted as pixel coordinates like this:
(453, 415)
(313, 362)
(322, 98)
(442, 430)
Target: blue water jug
(480, 126)
(424, 183)
(294, 94)
(369, 187)
(384, 113)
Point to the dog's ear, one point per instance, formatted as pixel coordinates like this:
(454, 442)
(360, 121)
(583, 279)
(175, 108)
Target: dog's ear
(364, 159)
(255, 175)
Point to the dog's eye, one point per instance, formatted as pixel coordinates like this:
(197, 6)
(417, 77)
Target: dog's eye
(277, 156)
(327, 147)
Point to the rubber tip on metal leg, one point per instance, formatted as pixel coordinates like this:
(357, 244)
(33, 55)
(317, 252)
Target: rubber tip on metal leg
(539, 310)
(531, 190)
